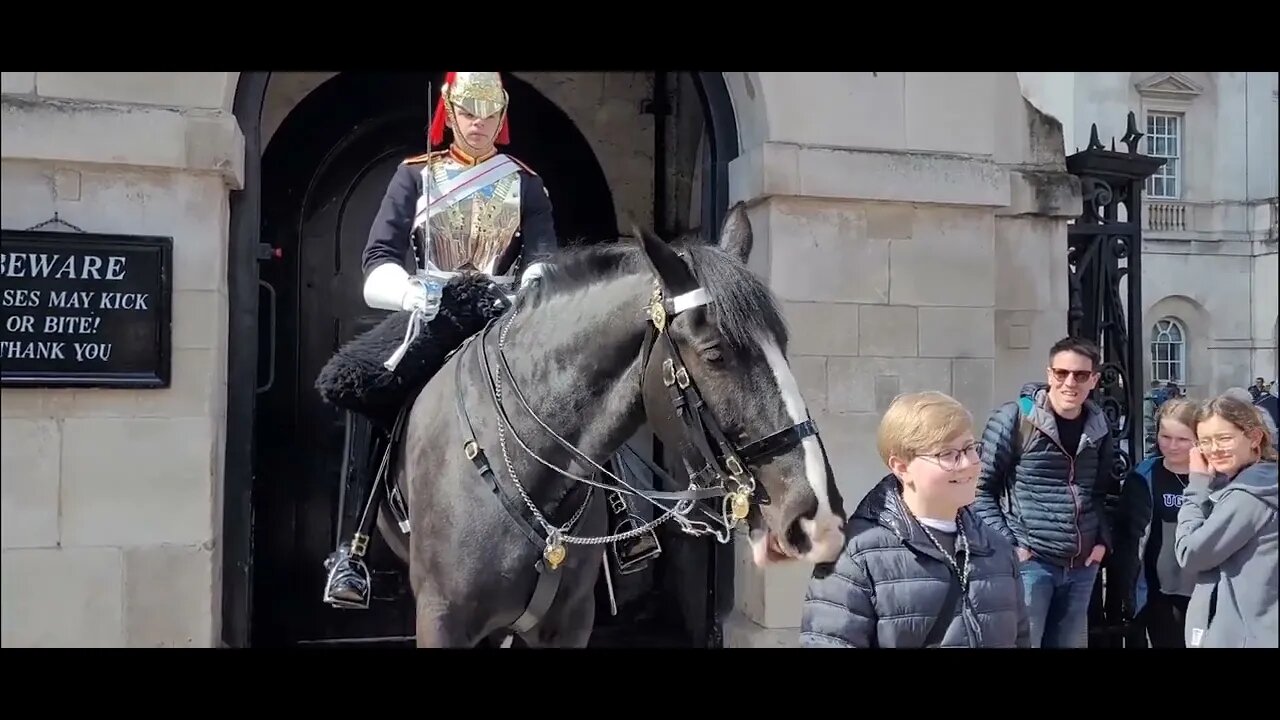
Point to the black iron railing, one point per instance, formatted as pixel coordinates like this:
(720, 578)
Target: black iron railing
(1104, 247)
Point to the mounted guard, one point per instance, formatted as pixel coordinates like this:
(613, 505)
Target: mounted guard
(459, 231)
(466, 209)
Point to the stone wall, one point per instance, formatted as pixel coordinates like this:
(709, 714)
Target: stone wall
(112, 504)
(611, 111)
(916, 243)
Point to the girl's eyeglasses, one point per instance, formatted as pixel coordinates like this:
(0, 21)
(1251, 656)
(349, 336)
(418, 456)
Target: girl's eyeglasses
(1224, 442)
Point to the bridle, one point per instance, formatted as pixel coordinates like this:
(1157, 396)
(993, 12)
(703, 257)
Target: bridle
(724, 473)
(730, 465)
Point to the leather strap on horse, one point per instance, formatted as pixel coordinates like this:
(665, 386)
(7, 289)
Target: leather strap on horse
(691, 410)
(679, 495)
(699, 423)
(777, 442)
(548, 578)
(544, 593)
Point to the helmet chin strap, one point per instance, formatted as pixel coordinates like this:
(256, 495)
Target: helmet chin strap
(461, 143)
(465, 147)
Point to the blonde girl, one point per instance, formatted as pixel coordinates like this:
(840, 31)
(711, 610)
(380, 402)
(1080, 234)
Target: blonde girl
(1145, 562)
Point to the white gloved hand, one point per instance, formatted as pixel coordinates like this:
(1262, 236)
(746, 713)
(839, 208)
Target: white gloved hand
(415, 297)
(531, 273)
(389, 287)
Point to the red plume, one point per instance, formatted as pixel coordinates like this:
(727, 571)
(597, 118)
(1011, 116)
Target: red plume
(504, 132)
(436, 132)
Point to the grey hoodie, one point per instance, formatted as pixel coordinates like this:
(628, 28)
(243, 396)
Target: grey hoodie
(1226, 537)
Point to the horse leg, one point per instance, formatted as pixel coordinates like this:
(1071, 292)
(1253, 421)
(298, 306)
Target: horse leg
(570, 627)
(437, 628)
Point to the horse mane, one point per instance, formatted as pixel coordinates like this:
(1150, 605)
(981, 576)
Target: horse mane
(745, 308)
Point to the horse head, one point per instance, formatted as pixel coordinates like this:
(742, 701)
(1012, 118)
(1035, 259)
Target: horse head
(720, 389)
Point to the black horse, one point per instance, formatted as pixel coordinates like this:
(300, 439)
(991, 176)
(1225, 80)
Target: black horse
(501, 451)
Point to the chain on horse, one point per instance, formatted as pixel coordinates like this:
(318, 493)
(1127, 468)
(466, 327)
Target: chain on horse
(726, 468)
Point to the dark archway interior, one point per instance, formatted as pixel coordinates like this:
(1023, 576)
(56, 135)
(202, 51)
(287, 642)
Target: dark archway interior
(542, 136)
(317, 187)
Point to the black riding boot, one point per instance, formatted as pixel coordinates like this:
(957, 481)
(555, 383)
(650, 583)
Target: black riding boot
(348, 584)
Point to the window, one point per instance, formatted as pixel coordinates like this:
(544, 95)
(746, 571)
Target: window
(1164, 139)
(1169, 352)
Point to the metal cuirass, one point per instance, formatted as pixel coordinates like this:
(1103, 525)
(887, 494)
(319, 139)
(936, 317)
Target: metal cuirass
(476, 229)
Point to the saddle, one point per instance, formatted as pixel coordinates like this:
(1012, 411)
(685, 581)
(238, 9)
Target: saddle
(355, 379)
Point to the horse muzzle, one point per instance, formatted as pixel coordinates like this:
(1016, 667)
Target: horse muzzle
(810, 534)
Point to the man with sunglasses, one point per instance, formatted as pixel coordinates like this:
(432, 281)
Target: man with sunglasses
(1046, 468)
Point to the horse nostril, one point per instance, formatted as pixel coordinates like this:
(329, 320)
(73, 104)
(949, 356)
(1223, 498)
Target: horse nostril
(802, 509)
(797, 537)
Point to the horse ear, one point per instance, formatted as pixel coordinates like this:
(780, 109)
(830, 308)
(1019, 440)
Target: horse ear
(666, 263)
(735, 236)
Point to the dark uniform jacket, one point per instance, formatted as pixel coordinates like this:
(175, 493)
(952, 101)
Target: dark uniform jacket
(389, 239)
(1055, 496)
(892, 588)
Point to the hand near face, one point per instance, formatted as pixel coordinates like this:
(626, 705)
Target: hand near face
(1023, 554)
(1197, 463)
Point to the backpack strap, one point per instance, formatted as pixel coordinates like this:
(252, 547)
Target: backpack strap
(1024, 431)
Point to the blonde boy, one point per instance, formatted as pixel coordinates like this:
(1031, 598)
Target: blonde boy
(918, 568)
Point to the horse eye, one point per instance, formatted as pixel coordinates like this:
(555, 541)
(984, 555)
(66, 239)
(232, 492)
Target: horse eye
(712, 355)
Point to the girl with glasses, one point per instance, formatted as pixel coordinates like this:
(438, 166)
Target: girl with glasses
(1227, 529)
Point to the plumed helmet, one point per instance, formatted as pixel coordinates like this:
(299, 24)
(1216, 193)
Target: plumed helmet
(479, 93)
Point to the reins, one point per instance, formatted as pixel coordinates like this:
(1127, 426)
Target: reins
(695, 415)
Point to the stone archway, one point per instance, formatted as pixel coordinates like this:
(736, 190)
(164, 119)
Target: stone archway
(244, 253)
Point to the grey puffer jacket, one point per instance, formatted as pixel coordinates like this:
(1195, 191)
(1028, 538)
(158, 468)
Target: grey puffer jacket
(890, 585)
(1055, 496)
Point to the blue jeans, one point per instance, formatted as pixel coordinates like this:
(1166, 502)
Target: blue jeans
(1058, 603)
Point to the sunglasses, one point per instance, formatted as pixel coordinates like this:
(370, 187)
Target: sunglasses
(1081, 376)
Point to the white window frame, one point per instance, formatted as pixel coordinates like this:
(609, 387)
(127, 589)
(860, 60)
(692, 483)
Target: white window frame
(1168, 94)
(1171, 333)
(1170, 172)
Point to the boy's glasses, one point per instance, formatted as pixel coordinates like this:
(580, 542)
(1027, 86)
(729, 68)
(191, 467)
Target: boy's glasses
(950, 459)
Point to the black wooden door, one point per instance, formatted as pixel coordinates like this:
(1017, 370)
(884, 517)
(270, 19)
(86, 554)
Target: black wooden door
(319, 218)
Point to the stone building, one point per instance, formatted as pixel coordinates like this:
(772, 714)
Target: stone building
(913, 225)
(1209, 268)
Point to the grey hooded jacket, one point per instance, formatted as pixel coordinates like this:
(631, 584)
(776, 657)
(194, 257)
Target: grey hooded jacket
(1227, 536)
